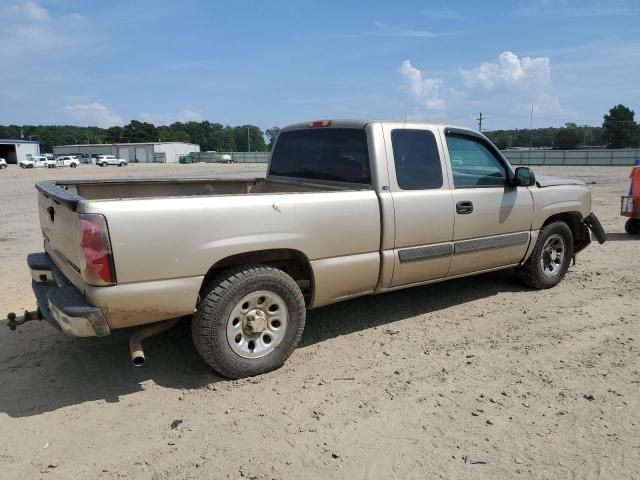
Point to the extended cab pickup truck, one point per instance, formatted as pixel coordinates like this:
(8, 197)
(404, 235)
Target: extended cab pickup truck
(348, 208)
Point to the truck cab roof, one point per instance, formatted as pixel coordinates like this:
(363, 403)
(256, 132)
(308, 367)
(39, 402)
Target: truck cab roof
(361, 123)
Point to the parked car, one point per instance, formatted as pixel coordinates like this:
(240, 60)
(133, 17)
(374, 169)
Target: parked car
(39, 161)
(348, 208)
(104, 160)
(3, 164)
(67, 161)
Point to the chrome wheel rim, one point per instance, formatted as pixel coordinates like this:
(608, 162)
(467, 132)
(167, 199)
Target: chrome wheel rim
(257, 324)
(552, 257)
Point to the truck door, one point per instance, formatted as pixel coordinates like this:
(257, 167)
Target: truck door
(422, 203)
(493, 218)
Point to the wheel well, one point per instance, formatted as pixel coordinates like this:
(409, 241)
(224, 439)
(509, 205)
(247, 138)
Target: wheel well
(575, 222)
(293, 262)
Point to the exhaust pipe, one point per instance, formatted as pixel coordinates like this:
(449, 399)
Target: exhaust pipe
(135, 341)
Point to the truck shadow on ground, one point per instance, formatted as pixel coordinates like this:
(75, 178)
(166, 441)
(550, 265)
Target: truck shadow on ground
(41, 370)
(621, 237)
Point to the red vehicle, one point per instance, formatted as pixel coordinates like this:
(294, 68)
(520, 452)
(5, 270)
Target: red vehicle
(630, 205)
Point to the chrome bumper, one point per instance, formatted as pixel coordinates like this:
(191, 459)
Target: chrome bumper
(61, 304)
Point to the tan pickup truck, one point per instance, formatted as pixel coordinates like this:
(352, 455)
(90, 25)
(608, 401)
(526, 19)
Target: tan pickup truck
(348, 208)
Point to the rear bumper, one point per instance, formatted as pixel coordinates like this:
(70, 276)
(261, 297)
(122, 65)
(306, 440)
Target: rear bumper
(61, 304)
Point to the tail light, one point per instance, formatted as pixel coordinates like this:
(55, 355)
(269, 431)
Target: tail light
(95, 248)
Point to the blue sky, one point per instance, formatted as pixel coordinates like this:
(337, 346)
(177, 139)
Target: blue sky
(272, 63)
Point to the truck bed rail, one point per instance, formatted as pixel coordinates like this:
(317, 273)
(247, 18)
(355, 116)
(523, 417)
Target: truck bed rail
(59, 194)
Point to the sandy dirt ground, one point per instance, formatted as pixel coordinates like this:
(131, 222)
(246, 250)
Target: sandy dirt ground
(538, 384)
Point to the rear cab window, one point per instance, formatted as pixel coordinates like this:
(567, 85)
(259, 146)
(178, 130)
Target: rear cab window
(417, 161)
(325, 154)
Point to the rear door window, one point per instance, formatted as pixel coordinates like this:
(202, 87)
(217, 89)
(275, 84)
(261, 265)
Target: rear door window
(416, 158)
(332, 154)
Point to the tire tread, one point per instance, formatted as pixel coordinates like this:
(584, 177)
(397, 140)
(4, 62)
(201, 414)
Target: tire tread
(211, 306)
(530, 273)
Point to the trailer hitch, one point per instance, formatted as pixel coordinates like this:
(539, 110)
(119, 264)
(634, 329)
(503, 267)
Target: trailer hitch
(14, 320)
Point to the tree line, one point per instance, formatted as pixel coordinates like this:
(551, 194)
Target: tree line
(618, 130)
(210, 136)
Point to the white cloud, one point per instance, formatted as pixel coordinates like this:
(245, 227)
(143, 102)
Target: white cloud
(444, 14)
(511, 72)
(577, 8)
(191, 64)
(389, 31)
(185, 115)
(29, 29)
(425, 91)
(92, 114)
(28, 10)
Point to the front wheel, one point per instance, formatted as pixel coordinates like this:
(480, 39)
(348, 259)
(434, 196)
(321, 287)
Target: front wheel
(73, 165)
(550, 258)
(122, 164)
(632, 226)
(249, 320)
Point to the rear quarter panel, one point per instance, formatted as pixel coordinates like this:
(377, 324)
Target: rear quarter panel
(168, 245)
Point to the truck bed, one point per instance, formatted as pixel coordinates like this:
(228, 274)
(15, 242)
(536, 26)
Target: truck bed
(167, 233)
(73, 191)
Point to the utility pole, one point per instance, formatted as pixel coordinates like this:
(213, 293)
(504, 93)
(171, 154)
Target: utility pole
(248, 141)
(479, 119)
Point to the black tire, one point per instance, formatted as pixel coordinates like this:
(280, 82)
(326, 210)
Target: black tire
(532, 273)
(122, 164)
(73, 165)
(632, 226)
(221, 295)
(103, 164)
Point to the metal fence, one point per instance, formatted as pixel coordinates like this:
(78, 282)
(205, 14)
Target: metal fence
(235, 157)
(615, 157)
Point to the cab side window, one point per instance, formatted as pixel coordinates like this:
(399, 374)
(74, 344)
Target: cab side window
(417, 161)
(473, 164)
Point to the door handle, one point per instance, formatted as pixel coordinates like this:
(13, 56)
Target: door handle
(465, 207)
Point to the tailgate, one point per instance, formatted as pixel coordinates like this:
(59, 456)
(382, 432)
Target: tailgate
(59, 224)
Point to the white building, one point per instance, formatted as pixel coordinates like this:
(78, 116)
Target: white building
(13, 151)
(158, 152)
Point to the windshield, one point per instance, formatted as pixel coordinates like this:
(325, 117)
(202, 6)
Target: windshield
(335, 154)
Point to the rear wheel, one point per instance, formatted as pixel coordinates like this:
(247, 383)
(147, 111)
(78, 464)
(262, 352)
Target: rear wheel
(632, 226)
(249, 320)
(550, 258)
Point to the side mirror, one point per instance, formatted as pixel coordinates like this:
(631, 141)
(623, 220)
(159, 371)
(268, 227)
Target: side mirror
(524, 177)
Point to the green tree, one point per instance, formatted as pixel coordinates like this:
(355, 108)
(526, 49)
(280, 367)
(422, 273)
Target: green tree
(249, 137)
(115, 134)
(620, 128)
(271, 134)
(568, 138)
(137, 131)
